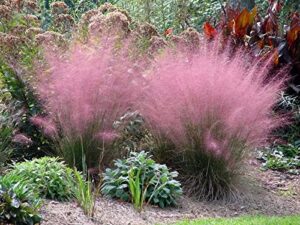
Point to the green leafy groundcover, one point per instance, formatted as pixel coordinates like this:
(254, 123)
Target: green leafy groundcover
(285, 158)
(254, 220)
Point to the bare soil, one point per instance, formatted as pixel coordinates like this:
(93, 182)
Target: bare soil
(264, 193)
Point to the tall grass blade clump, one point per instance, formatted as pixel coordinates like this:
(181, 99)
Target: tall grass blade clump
(207, 111)
(84, 91)
(83, 194)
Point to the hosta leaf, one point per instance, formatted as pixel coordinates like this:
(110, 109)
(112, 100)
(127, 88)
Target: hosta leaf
(167, 190)
(108, 188)
(161, 204)
(123, 186)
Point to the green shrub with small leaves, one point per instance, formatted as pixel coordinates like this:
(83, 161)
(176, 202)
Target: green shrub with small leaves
(140, 180)
(47, 176)
(18, 203)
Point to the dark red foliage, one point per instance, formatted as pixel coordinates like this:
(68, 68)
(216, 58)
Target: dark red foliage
(262, 36)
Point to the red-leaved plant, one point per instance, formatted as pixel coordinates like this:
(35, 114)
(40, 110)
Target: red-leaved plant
(207, 110)
(84, 91)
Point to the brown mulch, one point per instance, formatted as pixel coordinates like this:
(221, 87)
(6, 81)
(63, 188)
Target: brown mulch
(264, 193)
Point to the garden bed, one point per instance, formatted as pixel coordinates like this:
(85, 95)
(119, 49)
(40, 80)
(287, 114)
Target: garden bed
(154, 110)
(267, 193)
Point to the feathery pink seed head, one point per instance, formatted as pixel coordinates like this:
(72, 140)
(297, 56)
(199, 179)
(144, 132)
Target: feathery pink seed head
(209, 84)
(21, 139)
(108, 136)
(47, 126)
(89, 86)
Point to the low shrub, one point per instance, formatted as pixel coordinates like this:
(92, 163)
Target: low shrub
(207, 110)
(47, 176)
(18, 204)
(139, 179)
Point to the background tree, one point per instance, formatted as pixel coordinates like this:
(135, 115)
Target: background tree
(249, 4)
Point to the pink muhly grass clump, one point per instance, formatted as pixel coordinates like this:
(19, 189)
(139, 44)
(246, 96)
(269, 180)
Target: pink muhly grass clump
(211, 107)
(21, 139)
(45, 124)
(84, 92)
(108, 136)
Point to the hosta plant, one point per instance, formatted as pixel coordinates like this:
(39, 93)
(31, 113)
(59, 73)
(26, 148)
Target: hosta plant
(140, 180)
(18, 204)
(47, 176)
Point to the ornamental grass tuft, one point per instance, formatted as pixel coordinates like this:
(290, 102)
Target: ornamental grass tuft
(207, 111)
